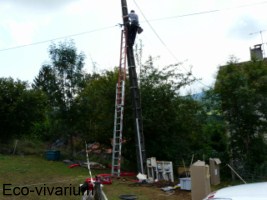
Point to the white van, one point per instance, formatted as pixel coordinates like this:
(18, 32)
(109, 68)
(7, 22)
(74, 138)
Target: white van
(251, 191)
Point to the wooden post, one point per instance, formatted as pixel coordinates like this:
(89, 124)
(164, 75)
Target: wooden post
(138, 122)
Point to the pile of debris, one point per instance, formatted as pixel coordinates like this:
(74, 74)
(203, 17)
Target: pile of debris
(76, 163)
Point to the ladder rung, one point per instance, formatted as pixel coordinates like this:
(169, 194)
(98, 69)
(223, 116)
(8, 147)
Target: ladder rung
(119, 106)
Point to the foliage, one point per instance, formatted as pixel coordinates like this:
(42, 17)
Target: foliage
(66, 102)
(242, 88)
(61, 81)
(163, 123)
(214, 130)
(95, 107)
(20, 109)
(190, 138)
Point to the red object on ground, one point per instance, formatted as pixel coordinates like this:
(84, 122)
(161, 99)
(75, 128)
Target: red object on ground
(104, 179)
(90, 184)
(89, 180)
(104, 175)
(128, 174)
(74, 165)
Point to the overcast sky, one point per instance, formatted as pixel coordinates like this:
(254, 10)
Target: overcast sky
(202, 34)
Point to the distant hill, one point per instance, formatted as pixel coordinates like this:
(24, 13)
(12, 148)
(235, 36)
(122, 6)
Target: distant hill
(198, 96)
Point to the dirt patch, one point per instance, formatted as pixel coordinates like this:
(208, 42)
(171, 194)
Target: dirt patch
(147, 191)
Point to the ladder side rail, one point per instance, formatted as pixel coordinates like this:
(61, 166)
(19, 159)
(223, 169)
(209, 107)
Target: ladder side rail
(121, 128)
(114, 143)
(125, 54)
(119, 109)
(117, 134)
(122, 97)
(122, 58)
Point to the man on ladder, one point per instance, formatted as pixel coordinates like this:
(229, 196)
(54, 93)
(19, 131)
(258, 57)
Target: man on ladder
(133, 27)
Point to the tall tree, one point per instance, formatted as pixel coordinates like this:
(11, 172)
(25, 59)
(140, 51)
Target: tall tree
(95, 107)
(160, 99)
(215, 141)
(20, 109)
(242, 88)
(62, 80)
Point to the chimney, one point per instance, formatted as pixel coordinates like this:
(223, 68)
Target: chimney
(256, 52)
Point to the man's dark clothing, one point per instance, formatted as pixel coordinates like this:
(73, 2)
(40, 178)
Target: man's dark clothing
(132, 34)
(132, 28)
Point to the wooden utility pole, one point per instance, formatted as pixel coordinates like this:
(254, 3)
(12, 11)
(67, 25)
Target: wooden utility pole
(135, 93)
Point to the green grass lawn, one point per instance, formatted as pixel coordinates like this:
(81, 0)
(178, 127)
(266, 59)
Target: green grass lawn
(31, 172)
(35, 172)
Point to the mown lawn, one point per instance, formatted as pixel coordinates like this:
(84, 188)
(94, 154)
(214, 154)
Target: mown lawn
(31, 172)
(36, 174)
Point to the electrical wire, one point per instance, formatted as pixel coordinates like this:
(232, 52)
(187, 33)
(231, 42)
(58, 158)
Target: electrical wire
(187, 15)
(148, 22)
(164, 18)
(59, 38)
(164, 44)
(209, 11)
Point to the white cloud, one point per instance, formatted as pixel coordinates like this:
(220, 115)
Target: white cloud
(204, 40)
(78, 7)
(244, 26)
(36, 5)
(21, 32)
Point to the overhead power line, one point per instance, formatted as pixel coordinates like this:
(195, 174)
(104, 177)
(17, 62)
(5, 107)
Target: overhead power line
(168, 49)
(163, 18)
(58, 38)
(209, 11)
(187, 15)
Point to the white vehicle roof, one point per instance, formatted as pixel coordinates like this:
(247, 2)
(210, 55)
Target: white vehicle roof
(251, 191)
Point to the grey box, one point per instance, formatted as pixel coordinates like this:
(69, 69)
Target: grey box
(215, 171)
(200, 180)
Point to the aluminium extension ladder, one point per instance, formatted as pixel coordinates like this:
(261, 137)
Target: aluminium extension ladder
(119, 109)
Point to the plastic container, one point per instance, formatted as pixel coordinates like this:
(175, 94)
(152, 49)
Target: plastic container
(52, 155)
(185, 183)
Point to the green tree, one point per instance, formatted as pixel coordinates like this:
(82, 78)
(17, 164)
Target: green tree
(21, 109)
(242, 88)
(96, 105)
(46, 82)
(62, 80)
(160, 101)
(215, 141)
